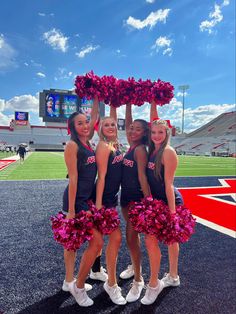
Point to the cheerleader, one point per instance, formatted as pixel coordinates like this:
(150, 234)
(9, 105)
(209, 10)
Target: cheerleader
(81, 166)
(109, 163)
(134, 187)
(162, 164)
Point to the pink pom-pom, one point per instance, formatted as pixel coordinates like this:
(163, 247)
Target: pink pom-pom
(90, 86)
(181, 226)
(162, 92)
(72, 233)
(105, 220)
(151, 216)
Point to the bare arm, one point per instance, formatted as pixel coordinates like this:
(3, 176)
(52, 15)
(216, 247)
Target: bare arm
(102, 156)
(94, 116)
(141, 158)
(113, 113)
(128, 121)
(70, 156)
(170, 162)
(153, 111)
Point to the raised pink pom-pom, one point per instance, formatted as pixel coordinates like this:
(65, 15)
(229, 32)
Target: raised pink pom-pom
(105, 220)
(72, 233)
(162, 92)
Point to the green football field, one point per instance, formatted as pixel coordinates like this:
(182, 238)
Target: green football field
(50, 165)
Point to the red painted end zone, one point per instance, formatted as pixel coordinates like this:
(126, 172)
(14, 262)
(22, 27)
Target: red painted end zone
(5, 163)
(202, 203)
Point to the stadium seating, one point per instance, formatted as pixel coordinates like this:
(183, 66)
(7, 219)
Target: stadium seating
(215, 138)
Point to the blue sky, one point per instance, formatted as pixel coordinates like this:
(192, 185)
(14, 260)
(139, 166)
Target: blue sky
(45, 44)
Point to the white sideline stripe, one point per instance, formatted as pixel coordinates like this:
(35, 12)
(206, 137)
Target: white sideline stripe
(216, 227)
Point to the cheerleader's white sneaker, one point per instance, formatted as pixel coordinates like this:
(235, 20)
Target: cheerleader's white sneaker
(81, 296)
(114, 293)
(152, 293)
(170, 281)
(68, 286)
(100, 275)
(135, 291)
(127, 273)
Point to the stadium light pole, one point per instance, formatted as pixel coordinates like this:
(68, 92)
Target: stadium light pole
(183, 89)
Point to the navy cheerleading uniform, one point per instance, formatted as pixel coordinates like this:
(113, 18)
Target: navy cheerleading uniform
(87, 171)
(112, 180)
(157, 184)
(130, 186)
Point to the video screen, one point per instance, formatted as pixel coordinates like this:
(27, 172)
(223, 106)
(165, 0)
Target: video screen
(53, 105)
(86, 106)
(69, 105)
(57, 105)
(21, 116)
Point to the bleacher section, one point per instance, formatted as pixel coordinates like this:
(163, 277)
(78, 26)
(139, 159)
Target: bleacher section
(216, 138)
(38, 137)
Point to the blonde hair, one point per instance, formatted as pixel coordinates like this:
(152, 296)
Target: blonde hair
(157, 169)
(102, 137)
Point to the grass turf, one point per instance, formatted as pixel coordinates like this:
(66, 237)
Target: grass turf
(51, 165)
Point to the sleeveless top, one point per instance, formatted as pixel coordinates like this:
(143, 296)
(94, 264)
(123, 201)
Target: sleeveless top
(87, 171)
(157, 184)
(130, 186)
(112, 180)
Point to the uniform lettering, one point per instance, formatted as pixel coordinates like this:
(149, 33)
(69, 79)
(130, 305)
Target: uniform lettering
(151, 165)
(128, 163)
(117, 159)
(91, 160)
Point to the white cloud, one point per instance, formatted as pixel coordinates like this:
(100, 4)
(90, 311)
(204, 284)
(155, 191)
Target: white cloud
(194, 117)
(63, 74)
(5, 119)
(7, 54)
(44, 14)
(150, 1)
(40, 74)
(2, 104)
(225, 3)
(215, 17)
(23, 102)
(151, 20)
(163, 43)
(86, 50)
(56, 40)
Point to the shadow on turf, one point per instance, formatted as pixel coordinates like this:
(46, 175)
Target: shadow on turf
(52, 305)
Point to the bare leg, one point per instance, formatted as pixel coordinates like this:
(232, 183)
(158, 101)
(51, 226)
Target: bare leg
(173, 252)
(154, 254)
(133, 242)
(88, 258)
(69, 260)
(111, 255)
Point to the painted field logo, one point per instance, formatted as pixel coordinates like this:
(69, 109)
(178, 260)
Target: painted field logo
(215, 204)
(5, 163)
